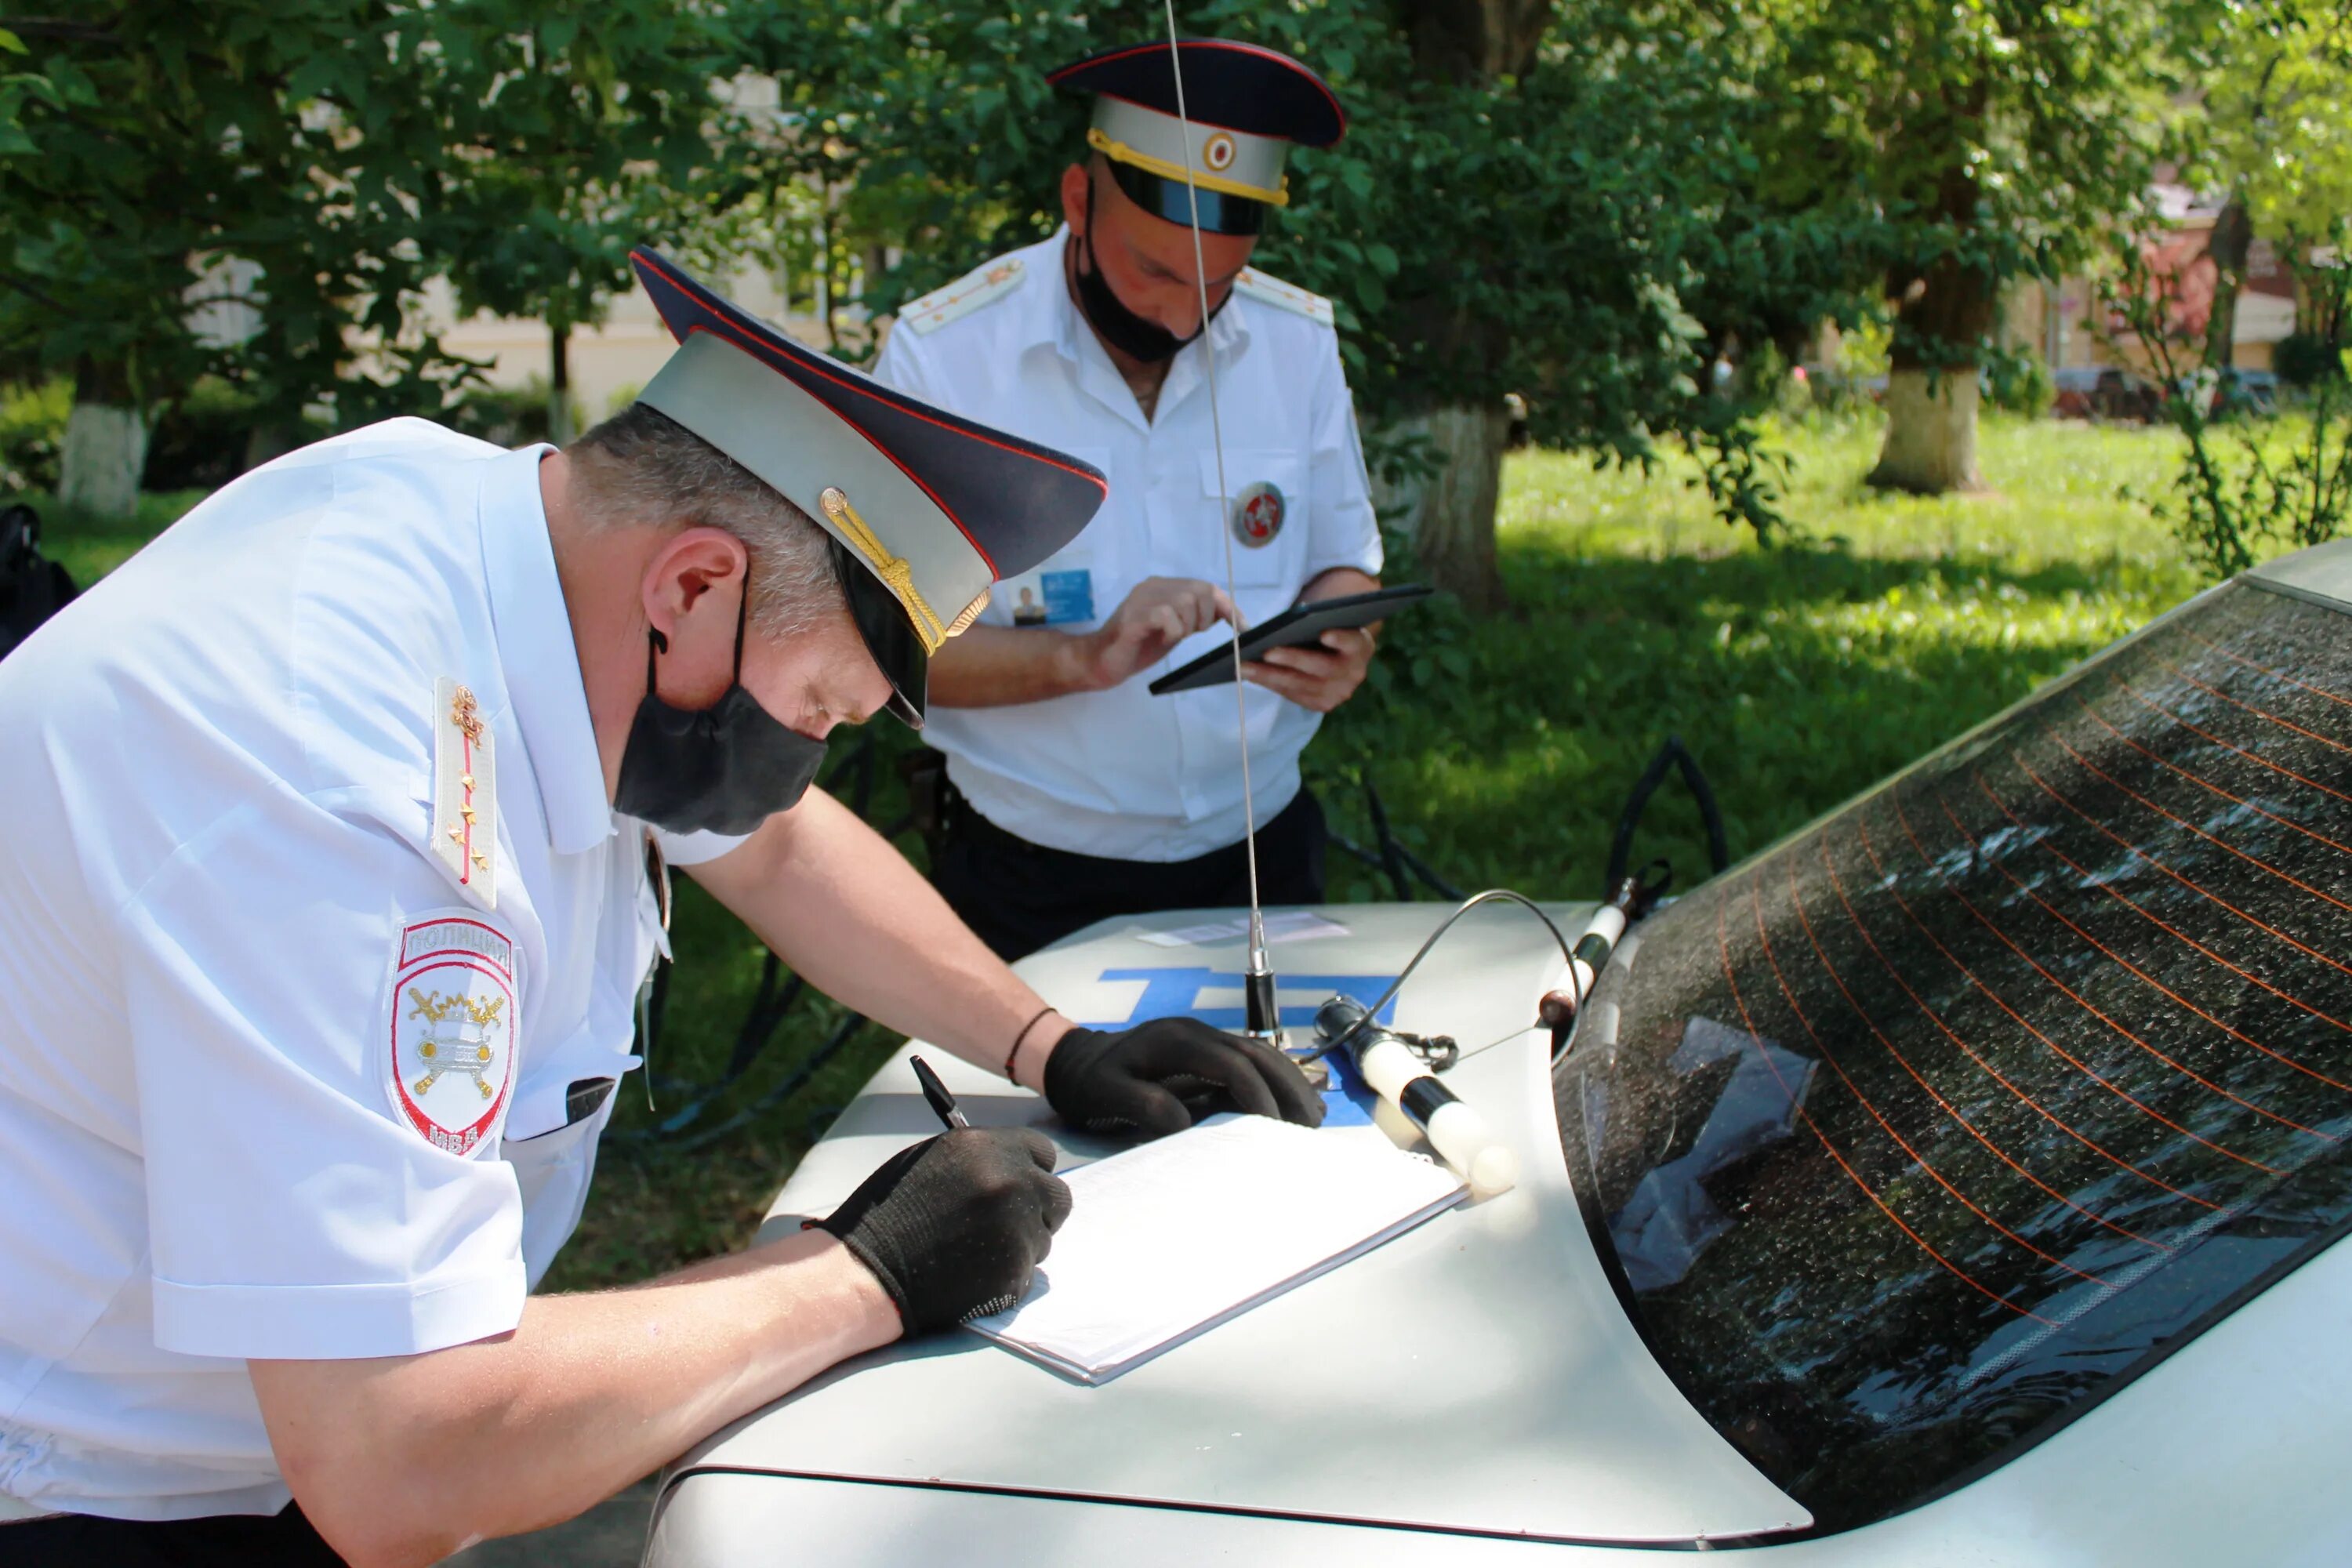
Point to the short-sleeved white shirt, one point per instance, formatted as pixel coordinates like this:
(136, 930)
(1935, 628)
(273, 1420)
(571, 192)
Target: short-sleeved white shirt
(1123, 774)
(218, 773)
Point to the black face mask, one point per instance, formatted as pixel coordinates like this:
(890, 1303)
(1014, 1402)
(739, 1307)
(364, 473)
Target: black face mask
(724, 769)
(1121, 328)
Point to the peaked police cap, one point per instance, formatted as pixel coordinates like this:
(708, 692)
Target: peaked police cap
(1244, 106)
(925, 509)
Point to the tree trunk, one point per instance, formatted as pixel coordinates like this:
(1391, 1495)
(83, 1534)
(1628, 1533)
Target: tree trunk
(105, 451)
(1942, 314)
(559, 383)
(1450, 516)
(2232, 238)
(1931, 436)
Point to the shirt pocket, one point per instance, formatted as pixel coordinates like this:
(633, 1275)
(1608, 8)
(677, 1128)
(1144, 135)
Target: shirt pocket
(1075, 589)
(1265, 516)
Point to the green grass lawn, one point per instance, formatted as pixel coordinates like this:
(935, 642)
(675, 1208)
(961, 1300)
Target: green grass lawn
(1799, 675)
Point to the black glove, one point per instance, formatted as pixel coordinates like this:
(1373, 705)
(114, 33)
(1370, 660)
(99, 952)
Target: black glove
(954, 1227)
(1162, 1076)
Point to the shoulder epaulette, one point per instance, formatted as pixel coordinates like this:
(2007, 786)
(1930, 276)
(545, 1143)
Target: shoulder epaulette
(465, 791)
(1284, 296)
(961, 298)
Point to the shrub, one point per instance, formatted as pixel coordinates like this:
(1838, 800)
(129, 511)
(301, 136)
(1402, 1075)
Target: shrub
(2307, 359)
(506, 415)
(201, 442)
(32, 431)
(2020, 382)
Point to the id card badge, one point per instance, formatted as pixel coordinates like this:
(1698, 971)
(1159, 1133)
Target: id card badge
(1051, 596)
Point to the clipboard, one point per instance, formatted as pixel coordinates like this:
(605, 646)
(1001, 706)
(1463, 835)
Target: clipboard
(1294, 627)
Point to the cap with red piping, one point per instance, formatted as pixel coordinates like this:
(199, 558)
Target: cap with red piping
(1244, 107)
(926, 510)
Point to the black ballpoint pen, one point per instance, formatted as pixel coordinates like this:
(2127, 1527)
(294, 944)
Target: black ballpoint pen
(936, 1093)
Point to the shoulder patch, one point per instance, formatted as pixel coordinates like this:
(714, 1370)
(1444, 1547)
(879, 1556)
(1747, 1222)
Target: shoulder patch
(465, 791)
(962, 297)
(1284, 296)
(451, 1028)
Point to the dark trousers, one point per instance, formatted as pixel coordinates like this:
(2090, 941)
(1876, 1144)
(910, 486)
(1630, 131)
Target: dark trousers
(1020, 895)
(283, 1540)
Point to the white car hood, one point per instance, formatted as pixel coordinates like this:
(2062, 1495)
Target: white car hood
(1476, 1374)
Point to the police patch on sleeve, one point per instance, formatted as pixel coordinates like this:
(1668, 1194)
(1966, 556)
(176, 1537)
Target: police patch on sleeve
(453, 1028)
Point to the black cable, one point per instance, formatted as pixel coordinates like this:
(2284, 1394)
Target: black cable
(1676, 755)
(1567, 953)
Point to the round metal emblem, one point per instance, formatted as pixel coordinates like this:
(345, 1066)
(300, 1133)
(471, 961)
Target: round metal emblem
(1258, 514)
(1217, 151)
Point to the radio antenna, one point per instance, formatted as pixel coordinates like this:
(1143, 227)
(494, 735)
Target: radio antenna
(1262, 1014)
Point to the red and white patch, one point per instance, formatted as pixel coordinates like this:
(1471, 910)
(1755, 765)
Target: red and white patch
(1217, 153)
(453, 1029)
(1258, 514)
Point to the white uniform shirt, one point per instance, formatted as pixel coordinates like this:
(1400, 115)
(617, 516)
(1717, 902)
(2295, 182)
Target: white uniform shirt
(219, 773)
(1123, 774)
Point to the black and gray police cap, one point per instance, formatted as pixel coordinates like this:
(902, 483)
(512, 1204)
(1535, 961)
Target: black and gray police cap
(1244, 106)
(925, 509)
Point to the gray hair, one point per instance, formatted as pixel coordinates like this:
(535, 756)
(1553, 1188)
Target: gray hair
(641, 466)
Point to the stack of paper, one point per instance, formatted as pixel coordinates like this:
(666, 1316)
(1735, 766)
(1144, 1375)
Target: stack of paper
(1168, 1239)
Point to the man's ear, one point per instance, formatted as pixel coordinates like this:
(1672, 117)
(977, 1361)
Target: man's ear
(1074, 197)
(692, 588)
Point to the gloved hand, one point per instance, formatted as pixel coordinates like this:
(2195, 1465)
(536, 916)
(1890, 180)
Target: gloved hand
(954, 1227)
(1162, 1076)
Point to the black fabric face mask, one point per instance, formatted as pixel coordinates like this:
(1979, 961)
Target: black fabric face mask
(1121, 328)
(724, 768)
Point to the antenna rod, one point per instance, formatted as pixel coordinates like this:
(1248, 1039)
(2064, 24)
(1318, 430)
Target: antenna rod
(1263, 1015)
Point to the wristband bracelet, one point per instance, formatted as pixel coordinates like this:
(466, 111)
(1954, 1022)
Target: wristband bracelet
(1015, 1053)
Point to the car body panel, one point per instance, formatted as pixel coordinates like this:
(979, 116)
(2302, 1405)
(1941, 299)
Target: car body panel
(1450, 1378)
(1473, 1393)
(2229, 1452)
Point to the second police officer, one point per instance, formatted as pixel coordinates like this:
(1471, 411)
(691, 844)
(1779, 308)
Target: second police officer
(1077, 794)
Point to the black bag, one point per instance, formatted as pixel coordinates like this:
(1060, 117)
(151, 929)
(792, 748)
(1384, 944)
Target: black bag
(32, 587)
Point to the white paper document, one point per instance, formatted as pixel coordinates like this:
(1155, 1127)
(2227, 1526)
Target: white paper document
(1171, 1239)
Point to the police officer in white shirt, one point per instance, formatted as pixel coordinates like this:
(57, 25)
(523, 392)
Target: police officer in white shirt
(329, 869)
(1078, 794)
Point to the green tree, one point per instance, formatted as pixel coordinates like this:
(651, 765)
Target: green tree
(2272, 136)
(1509, 213)
(306, 168)
(1986, 142)
(573, 143)
(155, 153)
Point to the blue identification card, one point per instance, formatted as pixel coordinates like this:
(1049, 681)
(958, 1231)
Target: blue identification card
(1050, 599)
(1069, 596)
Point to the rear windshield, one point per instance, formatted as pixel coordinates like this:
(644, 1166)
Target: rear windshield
(1919, 1134)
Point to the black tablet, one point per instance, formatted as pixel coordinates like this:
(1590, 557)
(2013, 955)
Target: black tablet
(1298, 626)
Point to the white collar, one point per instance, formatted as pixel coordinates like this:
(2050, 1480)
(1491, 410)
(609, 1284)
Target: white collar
(1065, 327)
(540, 662)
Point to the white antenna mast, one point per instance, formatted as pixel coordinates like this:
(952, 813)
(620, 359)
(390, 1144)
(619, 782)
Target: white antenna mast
(1264, 1016)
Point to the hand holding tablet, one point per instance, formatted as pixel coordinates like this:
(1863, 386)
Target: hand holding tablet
(1296, 627)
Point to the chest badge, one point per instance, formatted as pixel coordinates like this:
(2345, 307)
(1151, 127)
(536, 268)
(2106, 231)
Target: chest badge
(1258, 514)
(452, 1029)
(465, 791)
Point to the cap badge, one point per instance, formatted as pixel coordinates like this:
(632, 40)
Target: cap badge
(451, 1028)
(1217, 153)
(1258, 514)
(893, 570)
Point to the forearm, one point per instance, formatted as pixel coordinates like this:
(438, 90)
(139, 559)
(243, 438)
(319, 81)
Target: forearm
(845, 910)
(1337, 583)
(996, 667)
(405, 1460)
